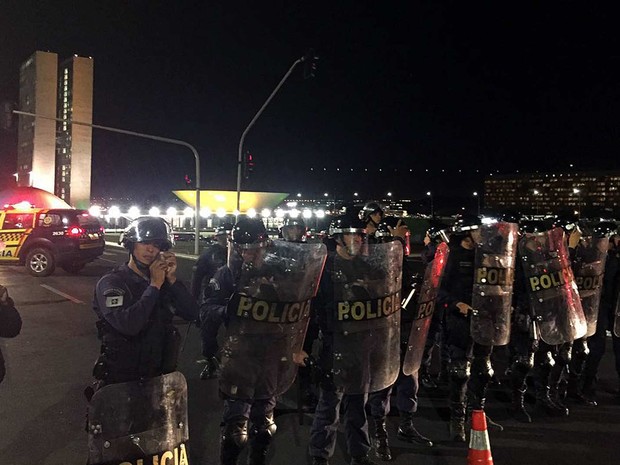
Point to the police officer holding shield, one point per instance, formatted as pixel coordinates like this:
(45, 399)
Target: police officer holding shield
(264, 296)
(135, 304)
(357, 305)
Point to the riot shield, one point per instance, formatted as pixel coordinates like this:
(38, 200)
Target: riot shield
(268, 316)
(493, 280)
(589, 269)
(425, 306)
(139, 422)
(551, 287)
(366, 339)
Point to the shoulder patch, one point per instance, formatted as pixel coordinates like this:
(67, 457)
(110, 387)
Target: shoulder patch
(214, 284)
(114, 301)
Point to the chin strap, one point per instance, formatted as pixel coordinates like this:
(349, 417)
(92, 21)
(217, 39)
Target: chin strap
(142, 267)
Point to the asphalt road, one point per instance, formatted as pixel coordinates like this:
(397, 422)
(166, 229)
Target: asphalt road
(42, 409)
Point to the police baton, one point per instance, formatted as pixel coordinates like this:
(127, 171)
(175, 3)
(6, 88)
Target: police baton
(186, 335)
(406, 300)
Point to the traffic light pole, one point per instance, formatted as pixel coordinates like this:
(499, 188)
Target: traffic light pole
(144, 136)
(240, 153)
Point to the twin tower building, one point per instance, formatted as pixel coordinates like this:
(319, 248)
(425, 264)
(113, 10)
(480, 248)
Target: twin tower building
(53, 155)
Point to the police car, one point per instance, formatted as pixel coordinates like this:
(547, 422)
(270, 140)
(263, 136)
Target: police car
(42, 239)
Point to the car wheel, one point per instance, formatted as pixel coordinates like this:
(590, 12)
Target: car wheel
(73, 267)
(40, 262)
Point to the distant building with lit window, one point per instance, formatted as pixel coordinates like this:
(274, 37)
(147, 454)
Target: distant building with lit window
(539, 193)
(56, 156)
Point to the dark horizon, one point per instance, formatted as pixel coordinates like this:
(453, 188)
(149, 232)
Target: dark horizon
(410, 86)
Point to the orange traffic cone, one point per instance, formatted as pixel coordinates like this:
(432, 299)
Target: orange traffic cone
(479, 446)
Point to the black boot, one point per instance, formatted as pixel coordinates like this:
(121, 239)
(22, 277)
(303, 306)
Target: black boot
(426, 380)
(518, 408)
(457, 422)
(211, 369)
(260, 438)
(582, 394)
(546, 406)
(382, 446)
(407, 432)
(233, 440)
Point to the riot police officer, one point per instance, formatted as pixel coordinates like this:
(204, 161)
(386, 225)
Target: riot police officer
(135, 304)
(524, 335)
(264, 295)
(391, 229)
(466, 357)
(606, 313)
(293, 229)
(349, 371)
(371, 214)
(213, 258)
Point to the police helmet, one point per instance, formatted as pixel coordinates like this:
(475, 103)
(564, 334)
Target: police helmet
(347, 223)
(438, 232)
(466, 223)
(566, 222)
(605, 228)
(532, 227)
(369, 209)
(223, 229)
(249, 232)
(147, 229)
(293, 229)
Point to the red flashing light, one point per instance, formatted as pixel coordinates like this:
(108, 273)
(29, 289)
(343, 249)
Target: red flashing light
(75, 232)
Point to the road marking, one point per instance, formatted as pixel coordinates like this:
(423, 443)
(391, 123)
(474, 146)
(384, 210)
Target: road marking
(62, 294)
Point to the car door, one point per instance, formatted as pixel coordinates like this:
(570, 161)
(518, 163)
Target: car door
(14, 230)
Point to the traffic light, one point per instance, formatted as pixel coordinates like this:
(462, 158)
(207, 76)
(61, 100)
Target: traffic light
(248, 165)
(310, 61)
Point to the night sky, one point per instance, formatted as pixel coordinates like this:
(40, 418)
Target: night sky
(399, 86)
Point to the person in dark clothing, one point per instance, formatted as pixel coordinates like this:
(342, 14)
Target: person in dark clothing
(213, 258)
(342, 279)
(466, 356)
(135, 304)
(406, 386)
(10, 322)
(606, 318)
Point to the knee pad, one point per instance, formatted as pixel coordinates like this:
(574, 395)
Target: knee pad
(264, 429)
(564, 354)
(580, 348)
(236, 431)
(483, 368)
(459, 370)
(523, 363)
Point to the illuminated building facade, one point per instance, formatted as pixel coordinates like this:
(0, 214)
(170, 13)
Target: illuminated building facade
(56, 156)
(587, 192)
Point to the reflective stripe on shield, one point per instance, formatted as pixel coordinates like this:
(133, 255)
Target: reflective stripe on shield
(366, 350)
(589, 269)
(424, 310)
(268, 318)
(493, 280)
(551, 287)
(139, 422)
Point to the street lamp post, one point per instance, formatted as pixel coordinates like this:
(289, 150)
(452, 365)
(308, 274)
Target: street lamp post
(430, 194)
(478, 200)
(536, 194)
(144, 136)
(247, 129)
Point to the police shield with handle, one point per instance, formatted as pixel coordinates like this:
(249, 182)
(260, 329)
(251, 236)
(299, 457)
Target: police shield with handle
(589, 269)
(267, 318)
(367, 336)
(552, 290)
(423, 309)
(493, 280)
(138, 405)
